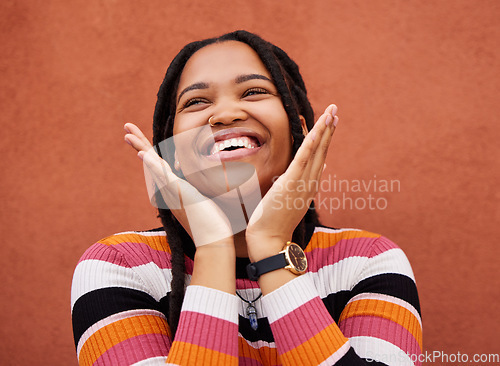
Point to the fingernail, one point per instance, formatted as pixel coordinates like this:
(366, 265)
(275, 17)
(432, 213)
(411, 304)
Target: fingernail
(128, 142)
(140, 155)
(313, 135)
(324, 167)
(328, 120)
(334, 110)
(335, 121)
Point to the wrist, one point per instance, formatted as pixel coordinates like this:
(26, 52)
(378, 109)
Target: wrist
(214, 266)
(263, 247)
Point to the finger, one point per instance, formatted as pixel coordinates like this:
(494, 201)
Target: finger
(136, 138)
(156, 165)
(137, 143)
(301, 164)
(322, 152)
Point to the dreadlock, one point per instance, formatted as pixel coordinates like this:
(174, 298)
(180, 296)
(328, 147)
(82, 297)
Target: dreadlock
(286, 76)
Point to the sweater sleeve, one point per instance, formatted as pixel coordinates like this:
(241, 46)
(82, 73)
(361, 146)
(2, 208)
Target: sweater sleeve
(119, 315)
(380, 324)
(208, 329)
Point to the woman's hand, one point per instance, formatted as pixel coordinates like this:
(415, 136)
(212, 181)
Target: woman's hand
(285, 204)
(201, 217)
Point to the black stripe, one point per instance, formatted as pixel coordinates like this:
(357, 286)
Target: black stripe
(391, 284)
(352, 359)
(263, 332)
(99, 304)
(336, 302)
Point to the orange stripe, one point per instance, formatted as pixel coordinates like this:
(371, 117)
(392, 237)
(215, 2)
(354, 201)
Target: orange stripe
(154, 242)
(116, 332)
(264, 355)
(317, 349)
(188, 354)
(327, 240)
(386, 310)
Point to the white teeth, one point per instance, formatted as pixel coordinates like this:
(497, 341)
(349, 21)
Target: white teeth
(236, 142)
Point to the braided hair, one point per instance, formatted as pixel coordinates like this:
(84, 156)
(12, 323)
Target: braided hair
(288, 81)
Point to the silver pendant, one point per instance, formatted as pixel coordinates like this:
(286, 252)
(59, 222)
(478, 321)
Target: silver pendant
(252, 316)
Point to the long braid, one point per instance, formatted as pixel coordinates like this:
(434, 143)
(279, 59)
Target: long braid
(290, 85)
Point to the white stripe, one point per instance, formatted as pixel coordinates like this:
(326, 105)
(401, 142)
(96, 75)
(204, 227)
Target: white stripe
(340, 276)
(160, 360)
(379, 350)
(258, 344)
(209, 301)
(157, 280)
(320, 229)
(390, 261)
(143, 233)
(92, 274)
(346, 273)
(391, 299)
(111, 319)
(337, 355)
(289, 297)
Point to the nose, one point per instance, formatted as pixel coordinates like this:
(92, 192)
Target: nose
(227, 113)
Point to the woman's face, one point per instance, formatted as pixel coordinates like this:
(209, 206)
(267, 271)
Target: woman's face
(228, 82)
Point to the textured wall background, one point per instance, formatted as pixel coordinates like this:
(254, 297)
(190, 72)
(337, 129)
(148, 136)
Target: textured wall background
(417, 85)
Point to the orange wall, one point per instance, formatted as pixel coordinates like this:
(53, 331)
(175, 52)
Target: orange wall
(417, 87)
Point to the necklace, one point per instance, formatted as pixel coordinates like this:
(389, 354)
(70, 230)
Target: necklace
(251, 311)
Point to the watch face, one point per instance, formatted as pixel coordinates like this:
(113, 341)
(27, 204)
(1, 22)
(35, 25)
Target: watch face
(297, 257)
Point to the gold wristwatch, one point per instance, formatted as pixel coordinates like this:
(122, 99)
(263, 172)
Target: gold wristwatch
(292, 257)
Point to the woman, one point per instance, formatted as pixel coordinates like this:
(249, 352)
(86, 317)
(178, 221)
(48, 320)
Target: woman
(237, 124)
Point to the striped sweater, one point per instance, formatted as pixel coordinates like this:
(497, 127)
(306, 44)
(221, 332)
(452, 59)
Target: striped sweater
(357, 305)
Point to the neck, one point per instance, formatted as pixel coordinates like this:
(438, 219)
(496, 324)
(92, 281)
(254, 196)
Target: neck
(240, 244)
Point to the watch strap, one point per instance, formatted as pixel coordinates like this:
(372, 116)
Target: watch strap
(257, 269)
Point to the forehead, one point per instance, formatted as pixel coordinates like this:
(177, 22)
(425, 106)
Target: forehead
(220, 61)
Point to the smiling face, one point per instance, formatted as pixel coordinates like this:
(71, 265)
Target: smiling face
(228, 82)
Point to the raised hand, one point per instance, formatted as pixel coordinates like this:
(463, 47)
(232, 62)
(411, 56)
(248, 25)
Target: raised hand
(287, 201)
(201, 217)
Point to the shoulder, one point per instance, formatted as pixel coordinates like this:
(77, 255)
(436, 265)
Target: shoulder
(129, 248)
(362, 252)
(355, 241)
(134, 259)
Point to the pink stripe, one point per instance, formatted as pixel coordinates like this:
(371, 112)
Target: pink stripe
(382, 328)
(312, 317)
(136, 254)
(207, 331)
(135, 349)
(103, 252)
(243, 283)
(382, 245)
(347, 248)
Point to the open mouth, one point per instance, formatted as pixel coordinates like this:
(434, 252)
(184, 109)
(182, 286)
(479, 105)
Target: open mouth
(233, 143)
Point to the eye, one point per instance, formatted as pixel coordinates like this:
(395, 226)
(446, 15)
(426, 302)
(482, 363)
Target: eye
(193, 101)
(255, 91)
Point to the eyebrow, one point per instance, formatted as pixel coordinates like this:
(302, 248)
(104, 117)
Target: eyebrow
(193, 87)
(238, 80)
(242, 78)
